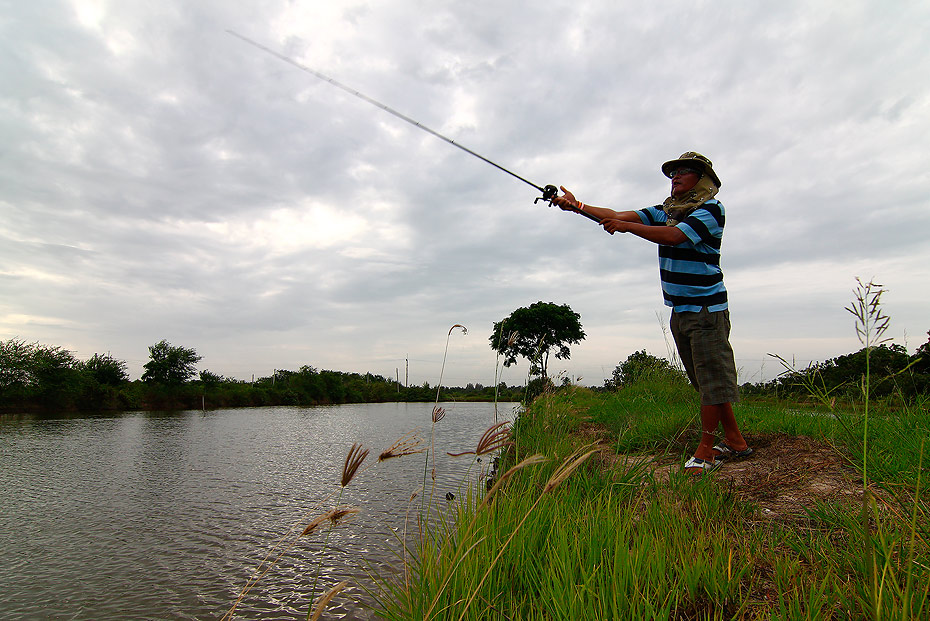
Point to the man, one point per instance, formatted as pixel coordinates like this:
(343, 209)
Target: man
(688, 228)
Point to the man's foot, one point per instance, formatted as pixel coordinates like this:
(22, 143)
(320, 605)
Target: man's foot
(723, 451)
(697, 465)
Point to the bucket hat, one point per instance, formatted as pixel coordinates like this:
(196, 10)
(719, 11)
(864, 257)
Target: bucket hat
(692, 159)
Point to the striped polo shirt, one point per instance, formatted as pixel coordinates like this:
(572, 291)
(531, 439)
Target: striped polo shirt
(690, 272)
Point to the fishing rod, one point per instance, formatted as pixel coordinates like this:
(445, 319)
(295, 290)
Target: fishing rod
(548, 191)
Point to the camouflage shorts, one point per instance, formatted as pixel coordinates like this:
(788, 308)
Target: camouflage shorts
(703, 341)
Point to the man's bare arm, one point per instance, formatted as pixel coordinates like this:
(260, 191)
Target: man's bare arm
(568, 202)
(622, 221)
(662, 235)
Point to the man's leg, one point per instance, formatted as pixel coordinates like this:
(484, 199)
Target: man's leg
(711, 417)
(710, 420)
(731, 433)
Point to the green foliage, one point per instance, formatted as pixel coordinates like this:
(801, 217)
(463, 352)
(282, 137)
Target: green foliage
(105, 370)
(619, 542)
(209, 378)
(843, 376)
(43, 373)
(536, 387)
(170, 365)
(15, 364)
(642, 366)
(36, 377)
(533, 331)
(45, 377)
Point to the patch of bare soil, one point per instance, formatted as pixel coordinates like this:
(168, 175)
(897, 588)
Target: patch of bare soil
(784, 475)
(787, 474)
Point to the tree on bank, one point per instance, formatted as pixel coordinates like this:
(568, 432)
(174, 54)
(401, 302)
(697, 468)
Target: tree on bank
(169, 364)
(30, 368)
(105, 370)
(532, 332)
(641, 366)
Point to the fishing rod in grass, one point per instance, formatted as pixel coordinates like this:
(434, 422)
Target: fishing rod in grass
(548, 191)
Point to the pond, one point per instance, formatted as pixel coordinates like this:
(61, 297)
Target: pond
(167, 515)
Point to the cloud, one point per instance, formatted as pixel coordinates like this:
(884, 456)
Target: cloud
(162, 179)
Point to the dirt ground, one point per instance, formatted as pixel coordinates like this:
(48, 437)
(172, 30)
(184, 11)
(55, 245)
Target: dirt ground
(784, 475)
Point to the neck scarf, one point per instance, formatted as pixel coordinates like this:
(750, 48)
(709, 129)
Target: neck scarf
(677, 209)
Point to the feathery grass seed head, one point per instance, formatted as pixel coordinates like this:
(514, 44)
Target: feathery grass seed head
(325, 599)
(340, 513)
(529, 461)
(568, 466)
(333, 515)
(408, 444)
(495, 437)
(353, 462)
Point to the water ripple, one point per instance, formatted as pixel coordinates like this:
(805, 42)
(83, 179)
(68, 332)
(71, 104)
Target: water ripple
(154, 516)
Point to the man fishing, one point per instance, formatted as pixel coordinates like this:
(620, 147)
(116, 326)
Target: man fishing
(688, 228)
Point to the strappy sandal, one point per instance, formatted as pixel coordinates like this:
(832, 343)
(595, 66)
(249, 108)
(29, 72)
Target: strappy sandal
(703, 464)
(728, 453)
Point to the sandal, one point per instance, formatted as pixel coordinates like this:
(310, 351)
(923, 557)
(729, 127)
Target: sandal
(728, 453)
(703, 464)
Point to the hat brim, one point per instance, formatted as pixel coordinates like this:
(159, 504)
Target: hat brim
(671, 165)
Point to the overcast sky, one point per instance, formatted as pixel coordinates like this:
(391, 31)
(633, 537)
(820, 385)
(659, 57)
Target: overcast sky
(162, 179)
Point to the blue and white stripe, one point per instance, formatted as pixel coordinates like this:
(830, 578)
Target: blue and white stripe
(690, 272)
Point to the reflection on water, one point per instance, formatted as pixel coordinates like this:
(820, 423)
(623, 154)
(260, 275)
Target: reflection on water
(165, 516)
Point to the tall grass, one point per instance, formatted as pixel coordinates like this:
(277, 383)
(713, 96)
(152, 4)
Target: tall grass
(621, 542)
(581, 523)
(617, 540)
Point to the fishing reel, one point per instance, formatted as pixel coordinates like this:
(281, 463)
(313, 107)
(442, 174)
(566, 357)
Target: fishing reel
(549, 192)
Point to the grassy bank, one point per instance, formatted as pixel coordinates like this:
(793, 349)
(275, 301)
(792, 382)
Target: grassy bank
(609, 527)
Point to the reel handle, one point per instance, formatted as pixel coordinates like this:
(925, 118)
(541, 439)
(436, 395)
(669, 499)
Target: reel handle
(549, 192)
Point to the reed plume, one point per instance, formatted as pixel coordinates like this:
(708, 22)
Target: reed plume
(495, 437)
(568, 466)
(438, 413)
(325, 599)
(408, 444)
(353, 462)
(529, 461)
(333, 515)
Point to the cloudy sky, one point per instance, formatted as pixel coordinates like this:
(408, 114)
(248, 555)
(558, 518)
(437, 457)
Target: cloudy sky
(162, 179)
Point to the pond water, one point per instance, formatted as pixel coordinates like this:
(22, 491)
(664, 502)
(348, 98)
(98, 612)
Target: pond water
(167, 515)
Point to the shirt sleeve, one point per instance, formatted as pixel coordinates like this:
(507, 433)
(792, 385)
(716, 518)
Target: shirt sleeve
(652, 216)
(704, 225)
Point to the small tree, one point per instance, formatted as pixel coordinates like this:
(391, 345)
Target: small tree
(533, 331)
(16, 364)
(169, 364)
(105, 370)
(209, 378)
(642, 366)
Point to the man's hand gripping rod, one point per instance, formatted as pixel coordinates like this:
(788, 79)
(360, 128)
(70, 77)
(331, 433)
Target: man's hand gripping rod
(548, 192)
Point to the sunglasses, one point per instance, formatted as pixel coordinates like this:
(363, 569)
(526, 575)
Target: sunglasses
(682, 171)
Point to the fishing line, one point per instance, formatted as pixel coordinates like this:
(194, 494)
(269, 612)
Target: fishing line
(548, 191)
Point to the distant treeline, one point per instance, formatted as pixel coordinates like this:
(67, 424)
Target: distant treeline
(892, 373)
(40, 378)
